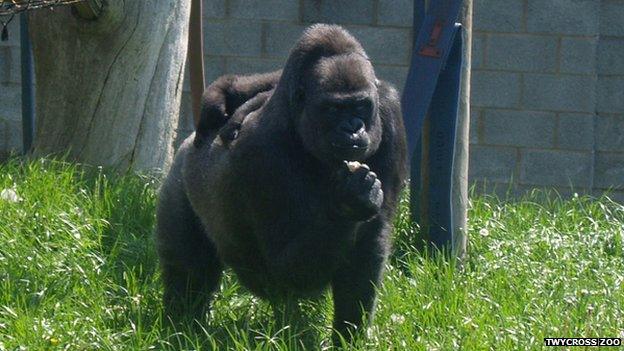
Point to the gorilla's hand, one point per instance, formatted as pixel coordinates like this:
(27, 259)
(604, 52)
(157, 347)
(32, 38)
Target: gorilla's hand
(358, 191)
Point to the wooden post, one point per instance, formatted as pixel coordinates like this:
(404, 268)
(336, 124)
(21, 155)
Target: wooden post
(196, 58)
(460, 162)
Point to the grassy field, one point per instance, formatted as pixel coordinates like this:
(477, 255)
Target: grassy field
(78, 271)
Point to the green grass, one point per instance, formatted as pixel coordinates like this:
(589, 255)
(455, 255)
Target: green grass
(78, 271)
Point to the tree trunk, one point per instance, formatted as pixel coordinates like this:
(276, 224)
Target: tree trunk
(108, 90)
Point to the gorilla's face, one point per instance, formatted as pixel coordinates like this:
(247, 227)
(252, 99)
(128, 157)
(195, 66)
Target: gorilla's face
(340, 119)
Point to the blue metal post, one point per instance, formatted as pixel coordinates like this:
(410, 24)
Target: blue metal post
(28, 85)
(429, 104)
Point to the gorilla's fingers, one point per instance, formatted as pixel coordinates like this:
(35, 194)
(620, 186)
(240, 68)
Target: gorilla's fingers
(376, 195)
(361, 180)
(359, 191)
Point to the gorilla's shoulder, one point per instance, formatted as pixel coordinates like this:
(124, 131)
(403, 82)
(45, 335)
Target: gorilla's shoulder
(387, 90)
(391, 115)
(180, 156)
(185, 146)
(389, 101)
(173, 183)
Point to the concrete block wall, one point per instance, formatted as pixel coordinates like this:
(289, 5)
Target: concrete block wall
(247, 36)
(547, 85)
(548, 92)
(609, 126)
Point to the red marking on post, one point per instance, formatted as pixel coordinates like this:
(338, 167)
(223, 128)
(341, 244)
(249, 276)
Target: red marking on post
(431, 49)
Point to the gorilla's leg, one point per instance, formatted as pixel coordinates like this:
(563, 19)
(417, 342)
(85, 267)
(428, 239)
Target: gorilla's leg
(191, 272)
(353, 285)
(190, 266)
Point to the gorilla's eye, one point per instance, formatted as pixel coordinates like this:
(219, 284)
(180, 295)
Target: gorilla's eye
(363, 107)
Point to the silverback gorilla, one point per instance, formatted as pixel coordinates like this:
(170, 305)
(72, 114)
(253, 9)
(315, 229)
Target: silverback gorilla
(291, 179)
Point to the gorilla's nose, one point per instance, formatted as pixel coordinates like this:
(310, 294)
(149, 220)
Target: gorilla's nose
(352, 126)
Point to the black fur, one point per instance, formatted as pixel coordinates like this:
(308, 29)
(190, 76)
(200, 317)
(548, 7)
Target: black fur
(225, 95)
(267, 191)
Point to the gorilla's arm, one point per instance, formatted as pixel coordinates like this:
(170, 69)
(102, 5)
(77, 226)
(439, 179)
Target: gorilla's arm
(226, 94)
(353, 284)
(390, 162)
(305, 240)
(190, 267)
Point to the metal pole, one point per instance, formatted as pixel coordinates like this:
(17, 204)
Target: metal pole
(28, 85)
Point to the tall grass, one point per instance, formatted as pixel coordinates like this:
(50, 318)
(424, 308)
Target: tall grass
(78, 271)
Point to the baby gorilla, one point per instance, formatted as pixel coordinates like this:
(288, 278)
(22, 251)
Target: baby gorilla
(292, 180)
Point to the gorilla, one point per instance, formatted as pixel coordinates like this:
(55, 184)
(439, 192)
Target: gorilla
(291, 180)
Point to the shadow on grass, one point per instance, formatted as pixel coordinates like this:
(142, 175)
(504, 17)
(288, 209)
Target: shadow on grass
(257, 327)
(126, 204)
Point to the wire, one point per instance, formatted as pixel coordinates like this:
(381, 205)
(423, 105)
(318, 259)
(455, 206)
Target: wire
(11, 7)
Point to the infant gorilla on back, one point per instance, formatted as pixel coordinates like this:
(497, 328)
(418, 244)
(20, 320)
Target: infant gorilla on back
(291, 179)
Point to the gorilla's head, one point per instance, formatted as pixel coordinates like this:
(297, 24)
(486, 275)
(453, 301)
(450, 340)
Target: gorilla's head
(333, 95)
(339, 119)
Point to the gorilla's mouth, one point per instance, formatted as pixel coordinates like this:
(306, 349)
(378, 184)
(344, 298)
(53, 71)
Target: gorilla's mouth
(350, 146)
(350, 149)
(349, 138)
(355, 143)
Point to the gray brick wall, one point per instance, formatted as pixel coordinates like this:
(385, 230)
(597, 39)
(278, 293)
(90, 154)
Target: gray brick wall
(547, 85)
(548, 96)
(609, 126)
(246, 36)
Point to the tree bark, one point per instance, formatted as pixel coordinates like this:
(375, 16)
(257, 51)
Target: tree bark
(108, 90)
